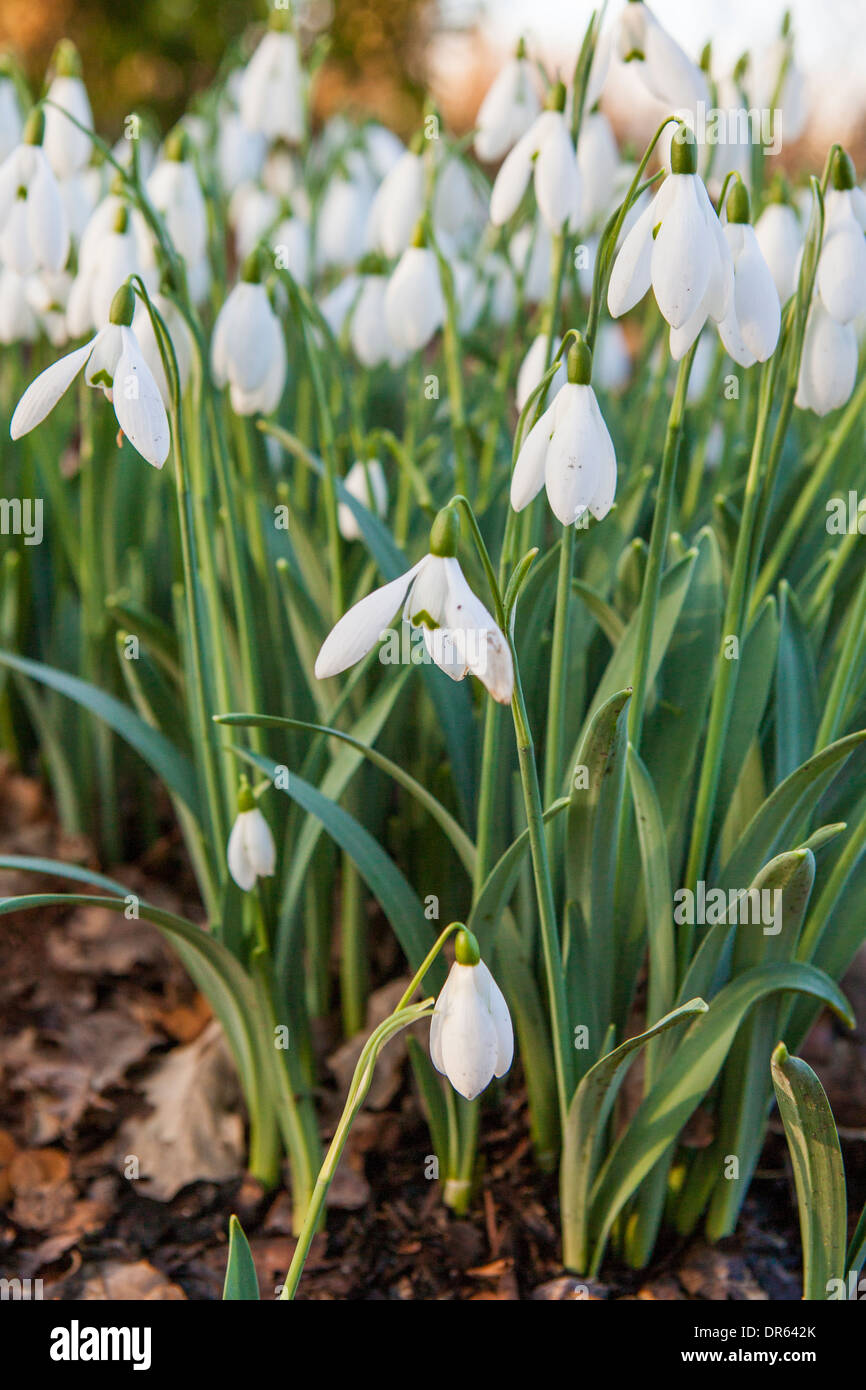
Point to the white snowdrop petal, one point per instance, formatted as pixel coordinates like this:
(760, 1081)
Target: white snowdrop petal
(528, 476)
(43, 394)
(237, 857)
(682, 253)
(468, 1040)
(556, 178)
(631, 275)
(360, 629)
(512, 179)
(138, 405)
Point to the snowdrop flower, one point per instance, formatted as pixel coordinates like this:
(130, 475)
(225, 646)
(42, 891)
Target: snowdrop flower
(530, 250)
(545, 154)
(569, 450)
(248, 351)
(66, 147)
(471, 1035)
(112, 361)
(369, 333)
(107, 264)
(271, 92)
(750, 328)
(18, 322)
(662, 66)
(33, 231)
(828, 367)
(252, 211)
(290, 242)
(414, 306)
(460, 635)
(174, 189)
(397, 206)
(508, 109)
(341, 224)
(532, 369)
(459, 211)
(240, 152)
(841, 274)
(251, 852)
(10, 111)
(611, 359)
(780, 238)
(597, 163)
(775, 60)
(48, 294)
(365, 481)
(677, 245)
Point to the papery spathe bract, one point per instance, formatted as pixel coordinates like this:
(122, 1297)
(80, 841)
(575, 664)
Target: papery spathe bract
(248, 351)
(508, 109)
(366, 482)
(112, 361)
(471, 1034)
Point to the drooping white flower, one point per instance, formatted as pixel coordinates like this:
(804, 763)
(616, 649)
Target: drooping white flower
(240, 152)
(459, 211)
(414, 306)
(532, 369)
(290, 242)
(33, 230)
(252, 211)
(828, 367)
(664, 69)
(251, 852)
(103, 268)
(174, 189)
(780, 238)
(749, 329)
(508, 109)
(341, 236)
(48, 293)
(112, 361)
(841, 274)
(569, 450)
(530, 251)
(471, 1035)
(18, 322)
(460, 635)
(10, 110)
(397, 206)
(774, 61)
(677, 245)
(67, 148)
(611, 360)
(369, 333)
(547, 156)
(365, 481)
(248, 351)
(597, 163)
(272, 90)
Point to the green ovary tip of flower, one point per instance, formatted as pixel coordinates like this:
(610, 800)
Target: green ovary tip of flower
(579, 362)
(738, 203)
(684, 151)
(445, 533)
(843, 172)
(246, 799)
(123, 306)
(466, 948)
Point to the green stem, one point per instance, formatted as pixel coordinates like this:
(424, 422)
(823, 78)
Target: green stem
(559, 666)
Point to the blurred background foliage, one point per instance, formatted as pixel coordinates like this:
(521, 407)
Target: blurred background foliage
(154, 55)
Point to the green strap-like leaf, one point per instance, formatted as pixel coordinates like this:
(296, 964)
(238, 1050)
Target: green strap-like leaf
(587, 1116)
(157, 751)
(818, 1174)
(241, 1281)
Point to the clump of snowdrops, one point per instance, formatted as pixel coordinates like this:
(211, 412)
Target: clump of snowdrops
(470, 583)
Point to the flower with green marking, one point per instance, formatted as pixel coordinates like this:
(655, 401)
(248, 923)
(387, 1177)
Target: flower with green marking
(248, 350)
(569, 450)
(113, 361)
(414, 304)
(677, 246)
(272, 89)
(509, 108)
(471, 1035)
(67, 147)
(750, 328)
(841, 275)
(34, 231)
(460, 636)
(545, 154)
(251, 852)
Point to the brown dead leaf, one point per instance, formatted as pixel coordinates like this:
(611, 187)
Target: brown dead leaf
(129, 1283)
(42, 1192)
(194, 1130)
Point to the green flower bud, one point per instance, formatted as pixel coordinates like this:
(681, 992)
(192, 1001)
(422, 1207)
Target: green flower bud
(121, 220)
(65, 60)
